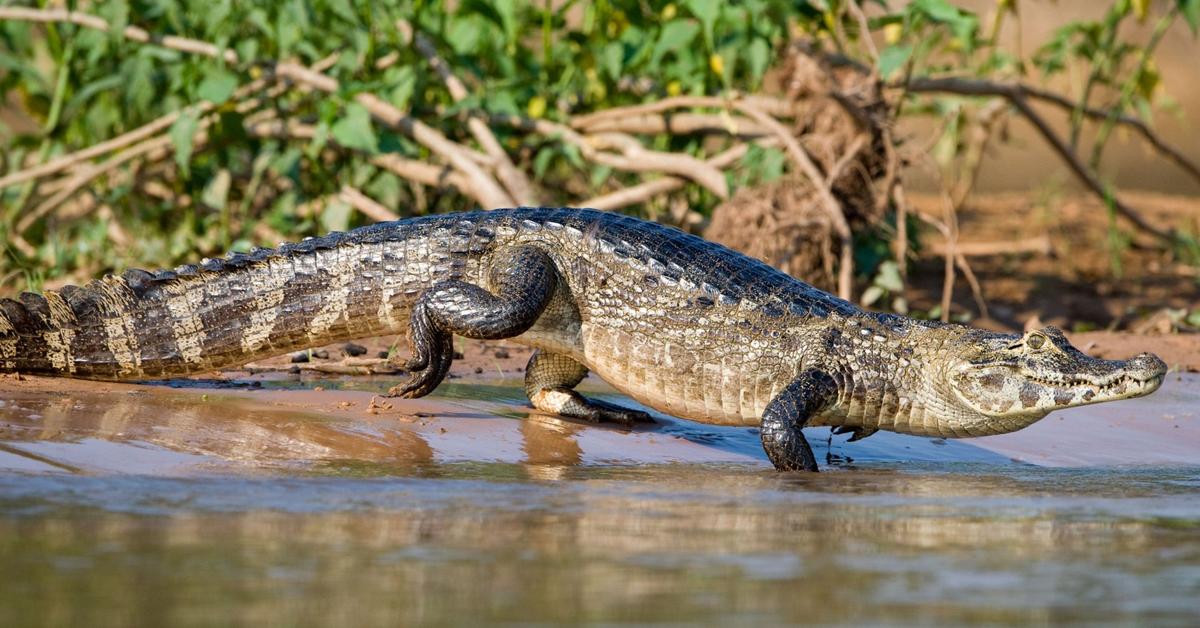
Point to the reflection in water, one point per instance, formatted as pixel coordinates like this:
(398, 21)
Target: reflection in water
(675, 543)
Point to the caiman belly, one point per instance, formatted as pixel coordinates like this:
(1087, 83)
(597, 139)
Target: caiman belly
(696, 383)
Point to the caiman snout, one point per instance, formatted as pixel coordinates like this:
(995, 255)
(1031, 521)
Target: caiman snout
(1025, 378)
(1147, 364)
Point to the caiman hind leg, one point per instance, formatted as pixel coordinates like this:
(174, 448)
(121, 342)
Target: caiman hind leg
(522, 281)
(782, 421)
(550, 379)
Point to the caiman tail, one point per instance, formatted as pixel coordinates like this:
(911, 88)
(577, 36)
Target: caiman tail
(223, 312)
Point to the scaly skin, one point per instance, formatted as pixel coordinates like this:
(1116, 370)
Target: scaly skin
(684, 326)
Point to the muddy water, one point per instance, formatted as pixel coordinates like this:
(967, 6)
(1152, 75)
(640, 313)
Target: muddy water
(273, 503)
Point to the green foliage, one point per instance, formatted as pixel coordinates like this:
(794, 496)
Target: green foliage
(76, 87)
(79, 87)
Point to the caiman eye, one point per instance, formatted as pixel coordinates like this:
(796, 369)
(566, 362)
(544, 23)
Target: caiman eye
(1035, 341)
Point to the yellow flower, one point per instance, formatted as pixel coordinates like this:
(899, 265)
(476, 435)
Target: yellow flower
(1140, 9)
(892, 32)
(536, 107)
(717, 64)
(669, 12)
(674, 88)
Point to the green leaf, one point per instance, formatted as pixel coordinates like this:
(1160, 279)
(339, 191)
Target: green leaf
(216, 193)
(675, 37)
(354, 129)
(964, 23)
(599, 176)
(611, 58)
(181, 138)
(465, 32)
(1191, 12)
(889, 277)
(507, 10)
(541, 162)
(759, 56)
(336, 216)
(319, 139)
(871, 295)
(706, 12)
(937, 10)
(139, 92)
(404, 83)
(284, 163)
(573, 155)
(893, 58)
(217, 86)
(342, 9)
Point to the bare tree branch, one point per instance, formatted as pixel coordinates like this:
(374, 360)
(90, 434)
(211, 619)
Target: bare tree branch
(368, 206)
(775, 107)
(650, 189)
(483, 187)
(678, 123)
(1019, 95)
(133, 33)
(634, 157)
(121, 141)
(1039, 245)
(864, 33)
(512, 178)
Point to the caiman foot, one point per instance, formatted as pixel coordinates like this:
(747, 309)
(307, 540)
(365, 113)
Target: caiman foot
(857, 433)
(549, 382)
(568, 403)
(433, 352)
(807, 396)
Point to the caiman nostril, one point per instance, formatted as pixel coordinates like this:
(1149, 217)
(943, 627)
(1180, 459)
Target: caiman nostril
(1149, 362)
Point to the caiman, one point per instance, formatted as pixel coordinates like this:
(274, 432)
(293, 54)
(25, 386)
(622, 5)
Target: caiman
(684, 326)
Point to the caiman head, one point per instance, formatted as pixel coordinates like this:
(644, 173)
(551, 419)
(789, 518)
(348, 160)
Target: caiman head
(1006, 381)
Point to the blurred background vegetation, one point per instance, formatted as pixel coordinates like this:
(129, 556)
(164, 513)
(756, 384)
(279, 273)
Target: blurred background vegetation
(152, 133)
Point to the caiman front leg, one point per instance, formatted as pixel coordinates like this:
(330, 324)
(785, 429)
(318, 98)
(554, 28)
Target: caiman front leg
(782, 421)
(550, 379)
(522, 281)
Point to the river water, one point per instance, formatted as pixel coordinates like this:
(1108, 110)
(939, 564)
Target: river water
(286, 505)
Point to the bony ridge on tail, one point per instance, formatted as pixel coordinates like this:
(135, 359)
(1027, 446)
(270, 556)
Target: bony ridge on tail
(682, 325)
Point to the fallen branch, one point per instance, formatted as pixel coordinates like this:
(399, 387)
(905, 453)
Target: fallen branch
(633, 157)
(679, 124)
(953, 250)
(650, 189)
(483, 187)
(636, 158)
(420, 171)
(84, 176)
(133, 33)
(121, 141)
(510, 176)
(366, 205)
(1039, 245)
(775, 107)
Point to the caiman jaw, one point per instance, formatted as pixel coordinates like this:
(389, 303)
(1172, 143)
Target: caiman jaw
(1140, 375)
(1135, 377)
(1017, 381)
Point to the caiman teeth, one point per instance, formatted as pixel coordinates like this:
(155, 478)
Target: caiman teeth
(1114, 382)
